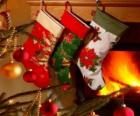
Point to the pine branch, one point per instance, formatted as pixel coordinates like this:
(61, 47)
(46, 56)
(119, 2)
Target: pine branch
(17, 104)
(11, 110)
(2, 96)
(4, 34)
(96, 103)
(68, 111)
(24, 26)
(87, 106)
(30, 35)
(27, 93)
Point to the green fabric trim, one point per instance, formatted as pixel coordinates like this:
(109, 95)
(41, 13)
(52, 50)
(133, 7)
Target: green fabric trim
(63, 75)
(65, 50)
(109, 23)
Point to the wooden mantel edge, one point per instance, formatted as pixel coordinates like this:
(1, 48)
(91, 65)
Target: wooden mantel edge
(92, 3)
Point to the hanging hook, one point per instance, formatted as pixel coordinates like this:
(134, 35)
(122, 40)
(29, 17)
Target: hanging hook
(42, 5)
(99, 3)
(67, 3)
(97, 6)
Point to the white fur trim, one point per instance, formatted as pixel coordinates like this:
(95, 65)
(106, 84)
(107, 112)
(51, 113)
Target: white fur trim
(49, 23)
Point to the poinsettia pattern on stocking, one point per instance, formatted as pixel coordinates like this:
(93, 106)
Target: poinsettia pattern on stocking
(92, 55)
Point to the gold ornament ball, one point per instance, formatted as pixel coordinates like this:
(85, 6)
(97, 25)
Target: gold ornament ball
(11, 70)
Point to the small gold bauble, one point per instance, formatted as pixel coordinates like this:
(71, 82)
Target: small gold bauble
(11, 70)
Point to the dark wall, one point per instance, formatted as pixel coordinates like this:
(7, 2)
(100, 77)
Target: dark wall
(130, 40)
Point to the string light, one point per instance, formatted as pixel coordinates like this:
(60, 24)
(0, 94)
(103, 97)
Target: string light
(36, 99)
(12, 35)
(8, 42)
(39, 102)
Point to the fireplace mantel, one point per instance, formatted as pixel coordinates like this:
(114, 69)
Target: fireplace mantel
(124, 10)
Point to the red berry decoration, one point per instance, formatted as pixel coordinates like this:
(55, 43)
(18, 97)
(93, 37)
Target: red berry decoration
(26, 55)
(65, 87)
(49, 109)
(30, 76)
(42, 80)
(123, 111)
(21, 55)
(18, 54)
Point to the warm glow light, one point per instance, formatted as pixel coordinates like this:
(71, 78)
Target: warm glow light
(138, 91)
(120, 69)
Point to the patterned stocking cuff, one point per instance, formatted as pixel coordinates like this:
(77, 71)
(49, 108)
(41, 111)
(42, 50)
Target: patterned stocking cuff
(74, 24)
(109, 23)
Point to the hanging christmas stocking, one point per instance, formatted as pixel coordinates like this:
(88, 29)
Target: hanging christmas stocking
(74, 34)
(37, 49)
(92, 55)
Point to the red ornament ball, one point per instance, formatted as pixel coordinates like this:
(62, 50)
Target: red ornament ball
(43, 80)
(21, 55)
(18, 54)
(49, 109)
(123, 111)
(30, 76)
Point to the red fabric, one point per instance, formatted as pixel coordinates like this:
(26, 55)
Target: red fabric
(43, 79)
(29, 46)
(87, 57)
(32, 48)
(37, 31)
(74, 25)
(31, 65)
